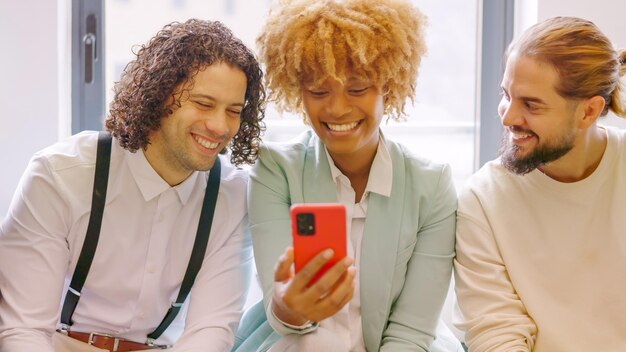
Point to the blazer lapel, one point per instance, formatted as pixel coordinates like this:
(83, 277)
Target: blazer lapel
(378, 252)
(318, 185)
(380, 239)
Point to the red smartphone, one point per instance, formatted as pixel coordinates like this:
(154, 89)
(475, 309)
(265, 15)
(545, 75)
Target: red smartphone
(314, 228)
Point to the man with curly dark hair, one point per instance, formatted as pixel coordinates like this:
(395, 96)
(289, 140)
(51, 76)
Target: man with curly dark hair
(118, 226)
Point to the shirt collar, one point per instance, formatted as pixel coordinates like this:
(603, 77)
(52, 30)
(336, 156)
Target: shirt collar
(381, 172)
(151, 184)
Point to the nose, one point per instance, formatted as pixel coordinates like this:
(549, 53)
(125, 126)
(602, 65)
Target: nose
(217, 124)
(338, 105)
(509, 114)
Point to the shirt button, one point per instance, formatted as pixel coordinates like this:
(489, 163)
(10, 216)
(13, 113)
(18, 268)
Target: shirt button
(151, 269)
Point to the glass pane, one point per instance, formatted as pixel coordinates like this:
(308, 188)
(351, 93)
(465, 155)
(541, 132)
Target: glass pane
(440, 125)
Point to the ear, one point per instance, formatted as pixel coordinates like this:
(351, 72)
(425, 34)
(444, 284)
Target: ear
(592, 108)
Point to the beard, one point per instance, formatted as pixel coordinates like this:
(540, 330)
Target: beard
(542, 154)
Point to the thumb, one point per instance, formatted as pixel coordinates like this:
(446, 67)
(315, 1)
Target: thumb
(284, 268)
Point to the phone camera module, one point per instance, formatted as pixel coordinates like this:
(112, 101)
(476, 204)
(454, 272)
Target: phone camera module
(305, 223)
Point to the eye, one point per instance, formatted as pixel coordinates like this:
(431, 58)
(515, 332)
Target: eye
(358, 91)
(318, 92)
(531, 106)
(235, 112)
(204, 105)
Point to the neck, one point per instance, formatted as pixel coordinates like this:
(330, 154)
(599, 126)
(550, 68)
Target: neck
(172, 175)
(582, 160)
(356, 168)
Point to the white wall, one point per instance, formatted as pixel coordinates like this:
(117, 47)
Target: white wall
(28, 87)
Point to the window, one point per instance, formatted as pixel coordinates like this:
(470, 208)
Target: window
(440, 125)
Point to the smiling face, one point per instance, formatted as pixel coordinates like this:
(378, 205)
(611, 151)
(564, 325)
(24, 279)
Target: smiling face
(191, 137)
(539, 124)
(345, 116)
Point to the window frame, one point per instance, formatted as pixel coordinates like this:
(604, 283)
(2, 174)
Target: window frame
(497, 28)
(88, 99)
(496, 18)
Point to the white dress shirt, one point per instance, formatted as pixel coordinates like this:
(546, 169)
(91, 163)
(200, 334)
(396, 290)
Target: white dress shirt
(147, 235)
(347, 322)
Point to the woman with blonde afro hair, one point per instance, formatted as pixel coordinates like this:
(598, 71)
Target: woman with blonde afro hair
(324, 39)
(345, 65)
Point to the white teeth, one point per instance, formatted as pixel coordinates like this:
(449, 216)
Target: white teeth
(520, 135)
(342, 127)
(205, 143)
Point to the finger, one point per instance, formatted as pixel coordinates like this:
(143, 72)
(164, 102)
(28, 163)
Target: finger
(284, 312)
(304, 276)
(283, 270)
(330, 279)
(337, 299)
(317, 309)
(304, 300)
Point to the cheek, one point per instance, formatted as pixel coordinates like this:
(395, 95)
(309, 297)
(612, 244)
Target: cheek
(311, 110)
(233, 126)
(379, 108)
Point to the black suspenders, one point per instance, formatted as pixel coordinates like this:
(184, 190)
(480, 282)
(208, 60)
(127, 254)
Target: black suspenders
(199, 248)
(100, 182)
(103, 159)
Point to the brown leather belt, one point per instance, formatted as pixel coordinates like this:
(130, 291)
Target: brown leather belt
(110, 343)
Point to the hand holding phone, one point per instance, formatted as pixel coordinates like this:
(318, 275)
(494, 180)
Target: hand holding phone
(316, 227)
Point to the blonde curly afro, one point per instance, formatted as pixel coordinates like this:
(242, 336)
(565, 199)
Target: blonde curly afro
(305, 40)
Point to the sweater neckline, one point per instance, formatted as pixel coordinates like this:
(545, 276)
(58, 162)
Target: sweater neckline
(603, 169)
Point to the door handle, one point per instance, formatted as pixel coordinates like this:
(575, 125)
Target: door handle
(89, 44)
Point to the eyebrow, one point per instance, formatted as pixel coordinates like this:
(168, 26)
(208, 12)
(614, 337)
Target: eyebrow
(209, 97)
(527, 98)
(357, 79)
(534, 100)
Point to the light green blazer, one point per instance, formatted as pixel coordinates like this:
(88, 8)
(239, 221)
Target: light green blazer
(407, 247)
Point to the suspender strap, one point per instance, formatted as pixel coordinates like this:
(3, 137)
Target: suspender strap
(198, 252)
(103, 159)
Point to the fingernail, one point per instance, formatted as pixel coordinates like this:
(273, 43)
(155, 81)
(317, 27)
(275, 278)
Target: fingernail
(347, 261)
(328, 254)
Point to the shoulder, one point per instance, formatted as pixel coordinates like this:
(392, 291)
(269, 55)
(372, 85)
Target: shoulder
(290, 154)
(65, 168)
(75, 151)
(426, 184)
(423, 170)
(233, 179)
(232, 173)
(289, 149)
(233, 186)
(618, 135)
(490, 182)
(490, 175)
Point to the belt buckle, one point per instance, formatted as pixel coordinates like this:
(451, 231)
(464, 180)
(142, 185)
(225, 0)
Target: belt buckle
(116, 340)
(151, 342)
(64, 329)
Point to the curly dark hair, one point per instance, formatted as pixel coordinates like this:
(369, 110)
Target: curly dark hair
(147, 90)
